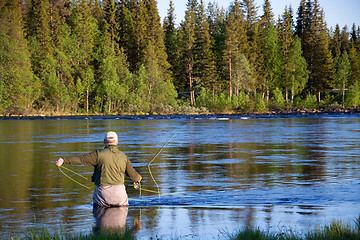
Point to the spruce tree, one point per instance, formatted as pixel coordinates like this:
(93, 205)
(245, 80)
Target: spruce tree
(217, 24)
(127, 34)
(171, 43)
(315, 43)
(187, 41)
(354, 57)
(336, 42)
(204, 65)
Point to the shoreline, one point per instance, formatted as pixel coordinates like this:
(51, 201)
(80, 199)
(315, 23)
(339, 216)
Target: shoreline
(269, 114)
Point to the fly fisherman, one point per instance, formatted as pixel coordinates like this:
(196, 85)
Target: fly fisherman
(110, 167)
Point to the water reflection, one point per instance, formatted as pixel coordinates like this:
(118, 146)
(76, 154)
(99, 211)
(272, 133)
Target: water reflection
(113, 219)
(254, 172)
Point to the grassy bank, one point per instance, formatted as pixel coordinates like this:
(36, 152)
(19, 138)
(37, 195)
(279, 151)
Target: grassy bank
(337, 230)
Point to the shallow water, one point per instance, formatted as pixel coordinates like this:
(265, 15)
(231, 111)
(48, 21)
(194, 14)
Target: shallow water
(216, 175)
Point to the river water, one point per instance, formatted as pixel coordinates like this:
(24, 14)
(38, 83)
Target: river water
(216, 175)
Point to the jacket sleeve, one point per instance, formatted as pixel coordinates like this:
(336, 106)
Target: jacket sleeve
(131, 172)
(86, 159)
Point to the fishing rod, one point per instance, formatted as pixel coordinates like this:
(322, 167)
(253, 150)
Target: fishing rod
(83, 185)
(135, 185)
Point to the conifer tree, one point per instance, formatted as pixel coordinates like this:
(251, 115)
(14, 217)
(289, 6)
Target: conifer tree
(270, 50)
(344, 40)
(19, 87)
(155, 36)
(254, 55)
(300, 21)
(187, 39)
(204, 65)
(235, 40)
(216, 20)
(354, 57)
(111, 23)
(273, 68)
(171, 42)
(286, 39)
(127, 34)
(336, 42)
(85, 32)
(315, 43)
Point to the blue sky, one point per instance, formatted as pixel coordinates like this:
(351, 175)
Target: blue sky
(342, 12)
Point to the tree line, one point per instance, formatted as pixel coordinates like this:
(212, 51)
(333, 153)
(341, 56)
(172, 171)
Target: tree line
(118, 56)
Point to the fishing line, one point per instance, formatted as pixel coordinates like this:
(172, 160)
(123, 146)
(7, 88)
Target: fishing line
(140, 188)
(72, 179)
(157, 154)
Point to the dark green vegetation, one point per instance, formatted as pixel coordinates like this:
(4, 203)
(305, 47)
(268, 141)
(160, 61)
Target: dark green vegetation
(337, 230)
(116, 56)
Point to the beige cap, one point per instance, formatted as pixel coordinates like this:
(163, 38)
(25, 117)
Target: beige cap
(111, 137)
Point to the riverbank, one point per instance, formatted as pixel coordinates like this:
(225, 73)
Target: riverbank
(272, 113)
(337, 230)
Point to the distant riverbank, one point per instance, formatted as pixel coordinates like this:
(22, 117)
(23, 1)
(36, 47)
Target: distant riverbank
(232, 115)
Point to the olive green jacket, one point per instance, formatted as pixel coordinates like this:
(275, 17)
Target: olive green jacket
(110, 166)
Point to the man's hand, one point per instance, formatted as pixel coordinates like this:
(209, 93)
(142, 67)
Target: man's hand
(59, 162)
(136, 185)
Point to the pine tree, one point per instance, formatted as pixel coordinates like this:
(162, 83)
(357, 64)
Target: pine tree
(38, 25)
(315, 43)
(187, 39)
(216, 20)
(344, 40)
(111, 23)
(127, 34)
(354, 57)
(204, 65)
(254, 55)
(268, 16)
(155, 36)
(85, 33)
(286, 39)
(336, 42)
(235, 40)
(171, 42)
(19, 87)
(273, 68)
(300, 22)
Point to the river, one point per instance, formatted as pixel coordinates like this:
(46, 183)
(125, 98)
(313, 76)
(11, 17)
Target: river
(217, 174)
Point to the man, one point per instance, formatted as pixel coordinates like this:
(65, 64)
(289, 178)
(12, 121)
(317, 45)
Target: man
(110, 167)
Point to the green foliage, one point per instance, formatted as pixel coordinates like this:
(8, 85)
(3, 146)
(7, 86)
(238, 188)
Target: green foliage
(310, 102)
(353, 96)
(260, 105)
(278, 98)
(117, 57)
(342, 73)
(298, 74)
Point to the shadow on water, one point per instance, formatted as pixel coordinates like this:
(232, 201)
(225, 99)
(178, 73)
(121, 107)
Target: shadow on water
(217, 174)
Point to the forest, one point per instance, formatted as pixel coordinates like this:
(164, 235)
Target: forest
(120, 57)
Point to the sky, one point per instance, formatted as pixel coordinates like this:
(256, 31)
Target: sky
(342, 12)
